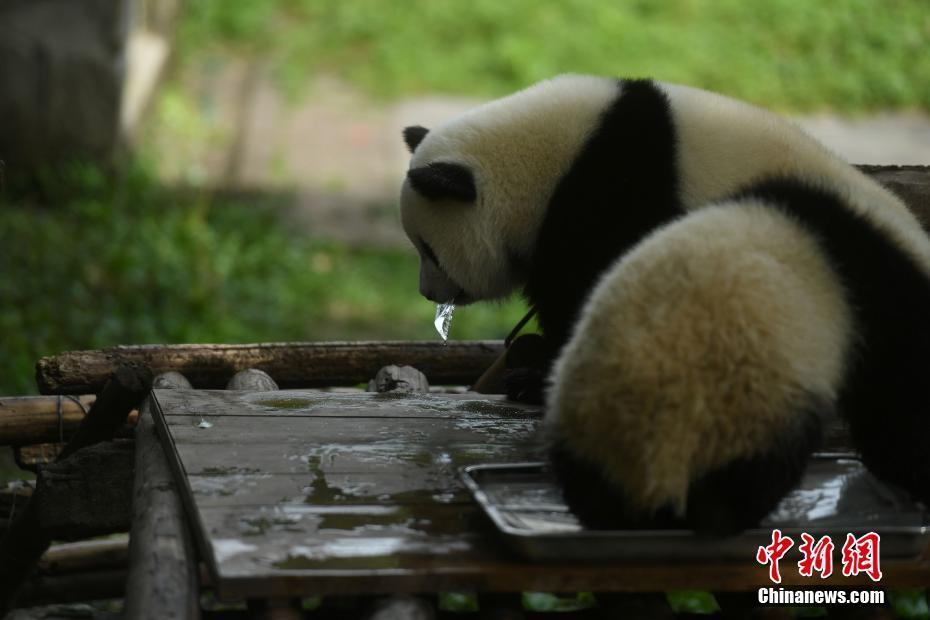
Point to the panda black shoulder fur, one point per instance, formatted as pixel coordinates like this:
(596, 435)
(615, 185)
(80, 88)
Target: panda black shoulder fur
(711, 281)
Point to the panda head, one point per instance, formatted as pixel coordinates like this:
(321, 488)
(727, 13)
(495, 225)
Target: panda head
(478, 186)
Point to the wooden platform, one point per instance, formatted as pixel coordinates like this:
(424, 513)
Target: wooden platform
(298, 493)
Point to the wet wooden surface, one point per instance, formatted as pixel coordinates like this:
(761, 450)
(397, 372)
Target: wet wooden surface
(303, 493)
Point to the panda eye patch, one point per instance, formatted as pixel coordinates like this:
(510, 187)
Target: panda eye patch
(444, 181)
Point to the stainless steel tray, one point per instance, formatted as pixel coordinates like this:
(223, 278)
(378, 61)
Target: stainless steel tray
(836, 497)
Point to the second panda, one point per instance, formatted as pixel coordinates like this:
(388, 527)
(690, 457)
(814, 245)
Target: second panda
(712, 284)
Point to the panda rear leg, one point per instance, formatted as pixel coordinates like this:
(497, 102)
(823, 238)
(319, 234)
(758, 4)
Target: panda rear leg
(596, 502)
(738, 495)
(720, 344)
(721, 502)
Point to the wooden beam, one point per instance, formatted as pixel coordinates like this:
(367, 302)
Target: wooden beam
(293, 365)
(28, 420)
(163, 577)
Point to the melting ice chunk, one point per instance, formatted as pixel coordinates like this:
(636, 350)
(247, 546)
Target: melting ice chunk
(443, 319)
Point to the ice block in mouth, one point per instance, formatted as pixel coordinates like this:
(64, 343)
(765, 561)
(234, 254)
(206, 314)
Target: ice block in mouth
(443, 319)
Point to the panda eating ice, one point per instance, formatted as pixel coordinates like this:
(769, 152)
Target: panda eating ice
(710, 282)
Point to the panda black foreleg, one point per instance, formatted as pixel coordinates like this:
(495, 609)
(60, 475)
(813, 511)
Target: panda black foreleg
(527, 367)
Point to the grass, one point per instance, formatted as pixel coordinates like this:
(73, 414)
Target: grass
(849, 55)
(126, 260)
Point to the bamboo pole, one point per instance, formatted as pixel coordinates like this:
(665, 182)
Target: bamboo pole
(26, 420)
(86, 555)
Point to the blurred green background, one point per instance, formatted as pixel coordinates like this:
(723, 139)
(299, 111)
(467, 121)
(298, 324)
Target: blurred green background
(130, 256)
(842, 54)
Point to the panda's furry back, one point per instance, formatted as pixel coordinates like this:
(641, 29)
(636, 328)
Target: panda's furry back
(696, 359)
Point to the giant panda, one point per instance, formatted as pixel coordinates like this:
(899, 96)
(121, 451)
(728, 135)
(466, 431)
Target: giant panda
(711, 284)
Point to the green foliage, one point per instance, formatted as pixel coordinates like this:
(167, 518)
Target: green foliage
(910, 603)
(846, 54)
(128, 261)
(692, 602)
(548, 602)
(458, 602)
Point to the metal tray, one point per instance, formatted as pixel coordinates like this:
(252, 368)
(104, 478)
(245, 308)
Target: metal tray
(837, 496)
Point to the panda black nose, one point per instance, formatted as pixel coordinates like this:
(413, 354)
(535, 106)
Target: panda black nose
(438, 298)
(431, 296)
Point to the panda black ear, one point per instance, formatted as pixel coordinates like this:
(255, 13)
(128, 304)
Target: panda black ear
(413, 135)
(443, 181)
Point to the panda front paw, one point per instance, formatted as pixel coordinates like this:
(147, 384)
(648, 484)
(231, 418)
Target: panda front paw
(525, 385)
(527, 367)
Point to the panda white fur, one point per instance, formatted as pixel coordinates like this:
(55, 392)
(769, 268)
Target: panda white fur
(711, 284)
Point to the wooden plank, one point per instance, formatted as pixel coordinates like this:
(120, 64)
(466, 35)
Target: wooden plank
(163, 578)
(403, 483)
(380, 549)
(315, 403)
(310, 364)
(410, 435)
(378, 434)
(361, 496)
(266, 501)
(270, 459)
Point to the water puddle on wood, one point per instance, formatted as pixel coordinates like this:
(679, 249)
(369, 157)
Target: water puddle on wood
(292, 403)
